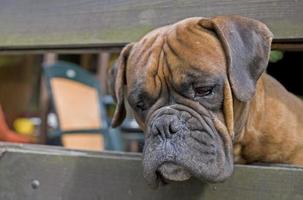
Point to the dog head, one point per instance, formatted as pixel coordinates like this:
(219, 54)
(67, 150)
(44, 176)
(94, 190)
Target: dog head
(181, 82)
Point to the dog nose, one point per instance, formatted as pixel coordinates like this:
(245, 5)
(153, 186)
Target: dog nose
(166, 126)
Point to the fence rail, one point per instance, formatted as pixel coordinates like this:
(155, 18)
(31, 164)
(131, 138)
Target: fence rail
(32, 172)
(64, 24)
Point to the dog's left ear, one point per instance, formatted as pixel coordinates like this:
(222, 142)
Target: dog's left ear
(247, 45)
(116, 85)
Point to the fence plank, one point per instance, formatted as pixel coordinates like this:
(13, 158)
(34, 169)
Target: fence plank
(46, 24)
(36, 172)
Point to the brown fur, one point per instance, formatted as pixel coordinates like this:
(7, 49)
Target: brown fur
(273, 131)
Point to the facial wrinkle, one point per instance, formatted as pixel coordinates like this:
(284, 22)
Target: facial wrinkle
(140, 55)
(154, 65)
(158, 79)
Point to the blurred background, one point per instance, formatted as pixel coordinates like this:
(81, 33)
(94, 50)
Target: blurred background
(37, 90)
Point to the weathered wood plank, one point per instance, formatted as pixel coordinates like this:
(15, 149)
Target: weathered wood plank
(38, 172)
(80, 23)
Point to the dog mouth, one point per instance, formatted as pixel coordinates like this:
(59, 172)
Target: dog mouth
(180, 145)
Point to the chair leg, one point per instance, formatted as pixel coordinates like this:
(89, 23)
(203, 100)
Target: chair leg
(113, 140)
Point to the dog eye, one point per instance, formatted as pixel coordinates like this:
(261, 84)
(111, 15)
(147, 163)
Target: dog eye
(204, 91)
(141, 106)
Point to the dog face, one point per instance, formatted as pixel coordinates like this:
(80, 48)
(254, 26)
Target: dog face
(180, 80)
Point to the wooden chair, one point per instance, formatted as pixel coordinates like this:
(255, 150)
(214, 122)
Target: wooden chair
(81, 112)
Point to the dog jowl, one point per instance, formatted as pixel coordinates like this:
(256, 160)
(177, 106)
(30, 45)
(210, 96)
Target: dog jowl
(198, 90)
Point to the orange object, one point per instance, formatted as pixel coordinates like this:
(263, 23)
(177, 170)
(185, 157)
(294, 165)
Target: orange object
(8, 135)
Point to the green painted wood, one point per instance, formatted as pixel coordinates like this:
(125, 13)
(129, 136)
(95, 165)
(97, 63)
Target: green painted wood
(59, 24)
(32, 172)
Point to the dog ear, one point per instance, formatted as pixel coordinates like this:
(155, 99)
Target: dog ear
(246, 43)
(117, 82)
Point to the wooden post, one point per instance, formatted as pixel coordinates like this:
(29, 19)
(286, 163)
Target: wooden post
(48, 59)
(103, 65)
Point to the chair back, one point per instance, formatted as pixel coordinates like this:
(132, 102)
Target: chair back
(76, 98)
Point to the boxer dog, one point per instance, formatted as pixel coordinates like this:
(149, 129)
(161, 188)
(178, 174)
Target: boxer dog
(198, 90)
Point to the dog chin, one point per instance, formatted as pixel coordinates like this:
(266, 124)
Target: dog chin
(170, 171)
